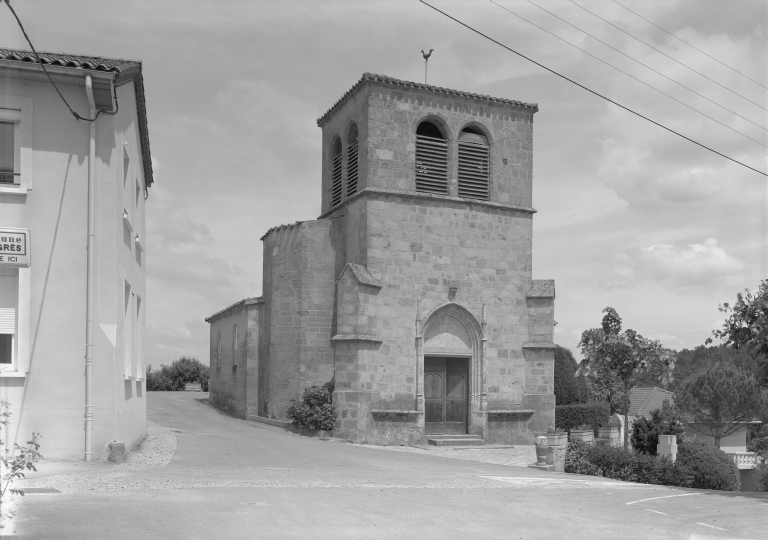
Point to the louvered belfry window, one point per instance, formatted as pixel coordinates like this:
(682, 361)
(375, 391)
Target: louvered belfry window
(352, 161)
(431, 160)
(336, 173)
(473, 166)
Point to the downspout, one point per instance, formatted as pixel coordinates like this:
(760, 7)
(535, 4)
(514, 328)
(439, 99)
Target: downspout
(89, 303)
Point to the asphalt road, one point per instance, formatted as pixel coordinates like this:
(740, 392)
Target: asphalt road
(234, 479)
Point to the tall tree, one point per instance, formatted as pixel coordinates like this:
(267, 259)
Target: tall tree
(624, 354)
(746, 327)
(720, 399)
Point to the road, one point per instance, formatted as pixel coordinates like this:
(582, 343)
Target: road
(202, 474)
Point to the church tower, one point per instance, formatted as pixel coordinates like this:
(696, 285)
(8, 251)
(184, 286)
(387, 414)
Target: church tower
(413, 290)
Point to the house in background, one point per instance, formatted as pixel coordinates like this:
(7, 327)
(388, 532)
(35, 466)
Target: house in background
(645, 400)
(413, 290)
(47, 161)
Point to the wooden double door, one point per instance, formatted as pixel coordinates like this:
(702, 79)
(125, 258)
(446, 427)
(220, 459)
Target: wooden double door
(445, 395)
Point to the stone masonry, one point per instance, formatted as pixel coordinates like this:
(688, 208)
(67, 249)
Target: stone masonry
(389, 276)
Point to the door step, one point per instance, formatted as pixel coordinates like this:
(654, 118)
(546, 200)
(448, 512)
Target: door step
(455, 440)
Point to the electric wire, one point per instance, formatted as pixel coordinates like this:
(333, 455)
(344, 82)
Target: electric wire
(478, 32)
(692, 46)
(42, 65)
(635, 78)
(665, 54)
(639, 62)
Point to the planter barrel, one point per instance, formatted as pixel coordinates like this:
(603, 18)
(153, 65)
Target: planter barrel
(609, 435)
(541, 450)
(557, 440)
(586, 436)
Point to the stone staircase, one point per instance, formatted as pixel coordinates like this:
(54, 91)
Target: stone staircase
(454, 440)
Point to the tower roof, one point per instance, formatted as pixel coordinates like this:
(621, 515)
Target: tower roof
(373, 77)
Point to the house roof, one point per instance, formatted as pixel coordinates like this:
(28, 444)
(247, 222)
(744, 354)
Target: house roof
(123, 70)
(373, 77)
(644, 400)
(244, 302)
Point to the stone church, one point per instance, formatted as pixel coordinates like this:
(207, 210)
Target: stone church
(412, 291)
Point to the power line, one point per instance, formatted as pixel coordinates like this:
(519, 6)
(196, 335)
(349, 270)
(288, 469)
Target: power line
(665, 54)
(692, 46)
(639, 62)
(635, 78)
(478, 32)
(8, 3)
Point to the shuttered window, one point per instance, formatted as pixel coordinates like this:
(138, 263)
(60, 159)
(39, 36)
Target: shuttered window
(9, 302)
(336, 174)
(431, 160)
(473, 166)
(352, 167)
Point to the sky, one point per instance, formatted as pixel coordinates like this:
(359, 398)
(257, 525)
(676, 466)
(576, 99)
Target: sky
(628, 215)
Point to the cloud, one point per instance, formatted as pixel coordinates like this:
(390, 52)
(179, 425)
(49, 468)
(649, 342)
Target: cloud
(689, 269)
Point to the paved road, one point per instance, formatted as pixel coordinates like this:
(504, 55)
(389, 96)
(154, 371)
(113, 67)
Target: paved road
(202, 474)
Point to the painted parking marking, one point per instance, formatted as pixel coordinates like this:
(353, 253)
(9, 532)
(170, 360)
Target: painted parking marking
(546, 481)
(657, 512)
(712, 526)
(664, 497)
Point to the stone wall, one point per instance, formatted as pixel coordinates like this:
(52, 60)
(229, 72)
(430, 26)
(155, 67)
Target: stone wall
(228, 370)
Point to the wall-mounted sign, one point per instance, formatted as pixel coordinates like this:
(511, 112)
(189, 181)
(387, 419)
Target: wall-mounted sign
(15, 247)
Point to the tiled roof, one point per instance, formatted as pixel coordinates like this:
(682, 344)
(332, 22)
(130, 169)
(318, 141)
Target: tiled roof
(644, 400)
(244, 302)
(124, 69)
(420, 86)
(278, 227)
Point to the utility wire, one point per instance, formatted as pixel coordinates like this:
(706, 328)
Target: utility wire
(637, 61)
(633, 77)
(692, 46)
(8, 3)
(478, 32)
(665, 54)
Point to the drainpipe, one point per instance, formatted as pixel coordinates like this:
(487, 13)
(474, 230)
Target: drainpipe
(89, 307)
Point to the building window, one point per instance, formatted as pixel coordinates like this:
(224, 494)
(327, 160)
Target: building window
(9, 309)
(218, 350)
(431, 160)
(336, 173)
(352, 169)
(473, 165)
(10, 146)
(234, 348)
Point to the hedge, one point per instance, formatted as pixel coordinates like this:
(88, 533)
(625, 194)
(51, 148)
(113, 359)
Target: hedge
(626, 465)
(595, 414)
(664, 421)
(177, 375)
(711, 467)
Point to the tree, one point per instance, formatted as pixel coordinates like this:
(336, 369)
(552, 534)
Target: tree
(623, 354)
(721, 399)
(747, 327)
(568, 387)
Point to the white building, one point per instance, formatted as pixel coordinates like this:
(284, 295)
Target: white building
(79, 384)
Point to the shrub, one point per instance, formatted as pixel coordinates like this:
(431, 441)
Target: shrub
(316, 410)
(177, 375)
(568, 388)
(711, 467)
(646, 431)
(626, 465)
(595, 414)
(762, 477)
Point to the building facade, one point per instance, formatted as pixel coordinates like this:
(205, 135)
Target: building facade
(413, 290)
(79, 384)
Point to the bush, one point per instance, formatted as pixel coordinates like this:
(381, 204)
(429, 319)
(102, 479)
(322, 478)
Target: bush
(568, 388)
(762, 477)
(626, 465)
(595, 414)
(711, 467)
(176, 376)
(646, 431)
(315, 410)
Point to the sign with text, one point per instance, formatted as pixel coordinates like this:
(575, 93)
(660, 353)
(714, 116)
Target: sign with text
(15, 247)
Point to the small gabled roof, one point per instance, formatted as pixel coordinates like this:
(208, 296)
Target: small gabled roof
(124, 70)
(373, 77)
(644, 400)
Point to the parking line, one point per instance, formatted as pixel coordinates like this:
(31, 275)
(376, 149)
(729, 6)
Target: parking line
(718, 528)
(664, 497)
(657, 512)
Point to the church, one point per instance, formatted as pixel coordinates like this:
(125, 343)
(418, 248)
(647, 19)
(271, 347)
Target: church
(412, 291)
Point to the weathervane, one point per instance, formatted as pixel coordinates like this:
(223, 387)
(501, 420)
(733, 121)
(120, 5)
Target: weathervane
(426, 59)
